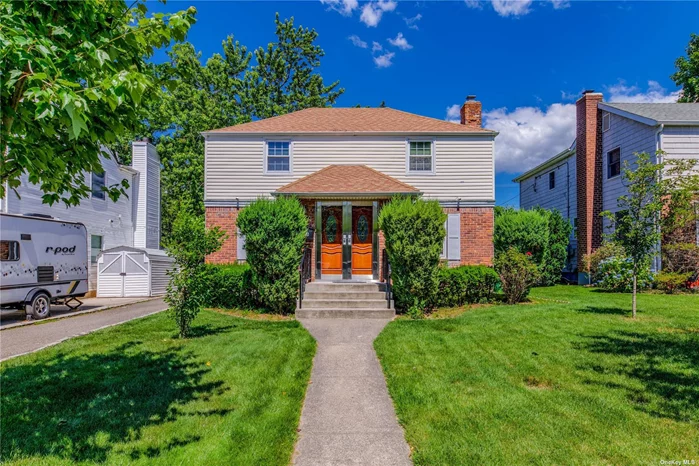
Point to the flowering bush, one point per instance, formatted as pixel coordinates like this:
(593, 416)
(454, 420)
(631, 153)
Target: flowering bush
(615, 273)
(670, 282)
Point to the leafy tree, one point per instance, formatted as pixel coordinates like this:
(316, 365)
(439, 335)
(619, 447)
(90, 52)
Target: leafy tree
(74, 76)
(189, 244)
(649, 187)
(414, 233)
(687, 71)
(275, 231)
(283, 78)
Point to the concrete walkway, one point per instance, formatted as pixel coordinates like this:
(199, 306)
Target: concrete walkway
(348, 416)
(27, 339)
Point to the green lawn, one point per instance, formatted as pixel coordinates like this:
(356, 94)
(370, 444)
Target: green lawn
(132, 394)
(570, 379)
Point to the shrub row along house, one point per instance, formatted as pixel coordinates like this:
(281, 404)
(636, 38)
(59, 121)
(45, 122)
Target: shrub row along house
(343, 164)
(585, 180)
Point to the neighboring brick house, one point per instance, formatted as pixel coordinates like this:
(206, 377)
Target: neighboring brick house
(343, 164)
(607, 136)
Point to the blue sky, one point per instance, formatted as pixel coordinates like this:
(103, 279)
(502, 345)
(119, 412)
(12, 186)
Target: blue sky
(526, 61)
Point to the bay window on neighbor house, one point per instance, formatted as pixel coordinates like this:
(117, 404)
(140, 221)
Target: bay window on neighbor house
(278, 157)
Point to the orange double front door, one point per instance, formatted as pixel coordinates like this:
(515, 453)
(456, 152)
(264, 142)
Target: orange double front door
(346, 241)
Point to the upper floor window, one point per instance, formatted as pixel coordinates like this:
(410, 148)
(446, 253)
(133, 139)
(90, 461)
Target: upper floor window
(614, 163)
(420, 157)
(278, 156)
(606, 121)
(552, 180)
(97, 185)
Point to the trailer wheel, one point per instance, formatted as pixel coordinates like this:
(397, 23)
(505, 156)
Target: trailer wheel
(40, 306)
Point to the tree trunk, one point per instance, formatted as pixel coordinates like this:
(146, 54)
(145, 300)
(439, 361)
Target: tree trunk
(633, 299)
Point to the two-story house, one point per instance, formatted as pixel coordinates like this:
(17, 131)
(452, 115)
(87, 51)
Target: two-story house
(343, 164)
(607, 136)
(133, 220)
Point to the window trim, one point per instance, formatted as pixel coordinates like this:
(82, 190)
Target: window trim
(608, 165)
(608, 117)
(104, 193)
(265, 149)
(433, 146)
(552, 177)
(19, 253)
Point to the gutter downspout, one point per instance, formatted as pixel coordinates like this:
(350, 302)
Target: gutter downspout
(659, 159)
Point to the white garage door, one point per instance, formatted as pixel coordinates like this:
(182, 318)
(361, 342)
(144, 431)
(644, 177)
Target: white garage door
(123, 274)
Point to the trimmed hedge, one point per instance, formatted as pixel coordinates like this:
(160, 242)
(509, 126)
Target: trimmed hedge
(467, 284)
(228, 286)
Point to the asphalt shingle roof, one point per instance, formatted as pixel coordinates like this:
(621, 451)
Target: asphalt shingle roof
(350, 120)
(347, 179)
(662, 112)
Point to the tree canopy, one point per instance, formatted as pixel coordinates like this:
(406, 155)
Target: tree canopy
(687, 71)
(74, 76)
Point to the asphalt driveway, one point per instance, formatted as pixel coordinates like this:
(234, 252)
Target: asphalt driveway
(26, 339)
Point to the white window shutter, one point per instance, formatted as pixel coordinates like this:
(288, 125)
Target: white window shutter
(241, 253)
(444, 243)
(454, 237)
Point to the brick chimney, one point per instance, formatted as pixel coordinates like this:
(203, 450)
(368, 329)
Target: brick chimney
(471, 112)
(588, 154)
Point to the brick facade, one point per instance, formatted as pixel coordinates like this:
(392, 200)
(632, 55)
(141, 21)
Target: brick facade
(589, 173)
(224, 218)
(477, 225)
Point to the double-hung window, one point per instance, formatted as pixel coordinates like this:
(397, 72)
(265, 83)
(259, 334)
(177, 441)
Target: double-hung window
(421, 157)
(98, 182)
(278, 157)
(614, 163)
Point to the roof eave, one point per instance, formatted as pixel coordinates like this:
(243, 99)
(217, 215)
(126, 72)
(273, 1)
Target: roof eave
(348, 194)
(485, 132)
(627, 114)
(546, 165)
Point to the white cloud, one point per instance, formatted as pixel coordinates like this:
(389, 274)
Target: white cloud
(344, 7)
(570, 95)
(412, 22)
(357, 42)
(376, 47)
(400, 42)
(620, 92)
(514, 7)
(373, 11)
(454, 113)
(385, 60)
(529, 135)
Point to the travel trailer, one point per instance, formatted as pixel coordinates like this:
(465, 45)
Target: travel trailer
(43, 261)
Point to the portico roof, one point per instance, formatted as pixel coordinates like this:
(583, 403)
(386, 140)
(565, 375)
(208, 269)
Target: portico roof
(347, 180)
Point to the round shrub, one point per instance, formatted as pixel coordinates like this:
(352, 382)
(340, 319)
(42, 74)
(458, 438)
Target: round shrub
(616, 274)
(274, 232)
(518, 273)
(467, 284)
(229, 286)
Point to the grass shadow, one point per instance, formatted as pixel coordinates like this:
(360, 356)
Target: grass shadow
(78, 407)
(661, 371)
(604, 310)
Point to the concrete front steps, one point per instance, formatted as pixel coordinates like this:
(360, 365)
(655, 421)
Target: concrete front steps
(348, 300)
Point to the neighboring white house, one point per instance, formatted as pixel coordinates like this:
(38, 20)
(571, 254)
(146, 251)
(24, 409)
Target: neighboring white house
(343, 163)
(134, 220)
(607, 136)
(552, 185)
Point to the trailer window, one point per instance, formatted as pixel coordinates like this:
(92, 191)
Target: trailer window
(9, 250)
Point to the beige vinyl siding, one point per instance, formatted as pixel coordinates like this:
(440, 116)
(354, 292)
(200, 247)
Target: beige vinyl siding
(681, 142)
(463, 165)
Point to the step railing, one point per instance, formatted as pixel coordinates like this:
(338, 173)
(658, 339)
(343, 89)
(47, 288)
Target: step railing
(386, 273)
(304, 272)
